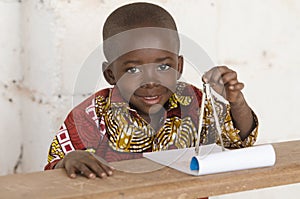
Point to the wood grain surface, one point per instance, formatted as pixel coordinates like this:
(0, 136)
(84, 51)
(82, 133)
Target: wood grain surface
(151, 180)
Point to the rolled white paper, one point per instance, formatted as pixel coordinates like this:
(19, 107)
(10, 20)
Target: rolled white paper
(213, 160)
(232, 160)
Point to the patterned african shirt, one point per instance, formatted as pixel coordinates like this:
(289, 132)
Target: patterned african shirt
(106, 125)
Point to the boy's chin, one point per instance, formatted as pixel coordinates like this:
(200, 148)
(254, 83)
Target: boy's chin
(155, 109)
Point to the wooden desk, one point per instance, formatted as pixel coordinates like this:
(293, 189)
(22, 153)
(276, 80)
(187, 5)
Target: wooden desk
(163, 183)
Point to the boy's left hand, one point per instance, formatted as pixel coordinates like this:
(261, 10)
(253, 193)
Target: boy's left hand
(224, 81)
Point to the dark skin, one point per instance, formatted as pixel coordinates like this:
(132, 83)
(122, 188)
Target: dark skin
(84, 163)
(146, 79)
(224, 81)
(135, 74)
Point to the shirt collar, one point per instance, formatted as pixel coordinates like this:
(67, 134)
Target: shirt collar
(116, 97)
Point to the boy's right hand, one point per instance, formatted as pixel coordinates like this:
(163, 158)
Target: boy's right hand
(83, 162)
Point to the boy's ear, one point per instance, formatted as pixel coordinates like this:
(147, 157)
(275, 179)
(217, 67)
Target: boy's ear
(108, 74)
(180, 66)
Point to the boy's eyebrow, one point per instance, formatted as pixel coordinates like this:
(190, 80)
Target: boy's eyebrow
(163, 59)
(138, 62)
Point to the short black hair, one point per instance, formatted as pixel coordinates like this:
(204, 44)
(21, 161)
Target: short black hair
(136, 15)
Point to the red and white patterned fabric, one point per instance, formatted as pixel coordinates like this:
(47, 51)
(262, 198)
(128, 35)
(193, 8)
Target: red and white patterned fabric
(106, 125)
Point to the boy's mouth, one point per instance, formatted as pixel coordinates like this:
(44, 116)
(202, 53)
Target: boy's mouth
(151, 100)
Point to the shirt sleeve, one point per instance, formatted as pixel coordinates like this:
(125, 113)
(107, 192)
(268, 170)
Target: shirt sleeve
(230, 134)
(80, 131)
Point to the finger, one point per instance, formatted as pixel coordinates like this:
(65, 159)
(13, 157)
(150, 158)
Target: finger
(213, 76)
(229, 76)
(100, 170)
(217, 70)
(107, 169)
(98, 165)
(231, 84)
(101, 161)
(236, 87)
(216, 75)
(222, 69)
(71, 171)
(84, 169)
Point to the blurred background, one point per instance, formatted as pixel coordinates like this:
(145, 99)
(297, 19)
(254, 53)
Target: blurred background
(45, 43)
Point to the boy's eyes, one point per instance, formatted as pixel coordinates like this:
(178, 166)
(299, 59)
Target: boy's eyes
(133, 70)
(161, 67)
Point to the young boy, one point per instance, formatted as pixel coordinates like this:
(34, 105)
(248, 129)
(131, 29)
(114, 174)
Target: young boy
(147, 109)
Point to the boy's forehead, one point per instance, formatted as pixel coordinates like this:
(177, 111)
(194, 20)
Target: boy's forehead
(141, 38)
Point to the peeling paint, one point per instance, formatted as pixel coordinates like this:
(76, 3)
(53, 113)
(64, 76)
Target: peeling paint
(17, 89)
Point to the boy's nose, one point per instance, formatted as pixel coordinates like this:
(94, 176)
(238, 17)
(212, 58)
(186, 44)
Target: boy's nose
(150, 78)
(149, 85)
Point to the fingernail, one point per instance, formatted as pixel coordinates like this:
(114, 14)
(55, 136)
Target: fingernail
(92, 176)
(73, 175)
(110, 173)
(103, 175)
(231, 87)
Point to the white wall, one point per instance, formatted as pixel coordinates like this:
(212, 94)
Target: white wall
(10, 76)
(44, 45)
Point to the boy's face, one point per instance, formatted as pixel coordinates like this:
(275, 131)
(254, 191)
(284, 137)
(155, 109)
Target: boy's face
(146, 77)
